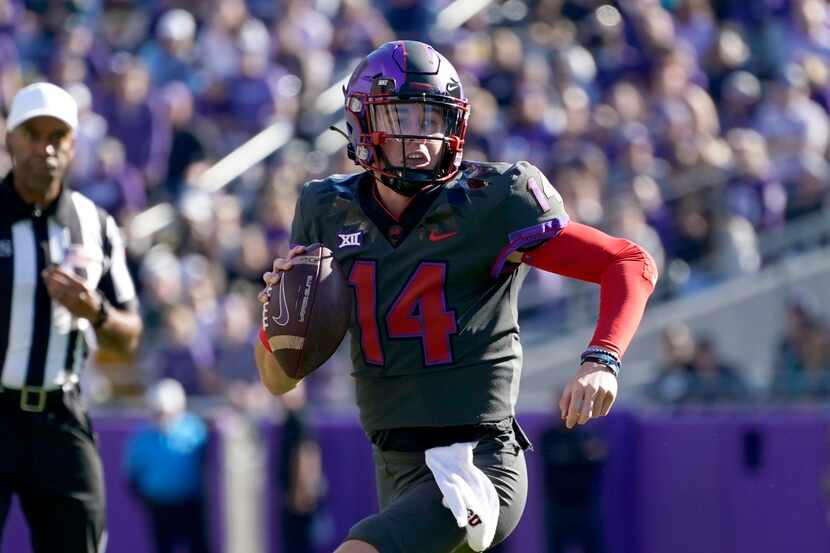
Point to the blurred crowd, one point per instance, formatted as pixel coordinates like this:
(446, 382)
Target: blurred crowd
(692, 127)
(692, 371)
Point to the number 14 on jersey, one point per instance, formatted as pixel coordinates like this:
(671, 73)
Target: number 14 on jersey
(419, 311)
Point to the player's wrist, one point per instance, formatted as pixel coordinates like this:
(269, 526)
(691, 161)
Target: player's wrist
(603, 357)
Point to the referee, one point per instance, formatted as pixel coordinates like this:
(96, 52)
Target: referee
(64, 288)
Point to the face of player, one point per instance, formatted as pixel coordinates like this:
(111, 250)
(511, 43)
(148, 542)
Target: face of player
(424, 125)
(41, 149)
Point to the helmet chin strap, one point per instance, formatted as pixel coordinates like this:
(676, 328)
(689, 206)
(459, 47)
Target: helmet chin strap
(403, 187)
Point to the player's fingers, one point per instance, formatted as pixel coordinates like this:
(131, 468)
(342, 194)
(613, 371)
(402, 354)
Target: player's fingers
(281, 264)
(271, 278)
(607, 403)
(565, 402)
(588, 405)
(575, 407)
(264, 295)
(297, 250)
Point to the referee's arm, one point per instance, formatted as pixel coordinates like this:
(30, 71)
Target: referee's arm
(111, 309)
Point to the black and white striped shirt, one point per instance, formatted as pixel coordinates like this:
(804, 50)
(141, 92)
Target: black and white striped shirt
(41, 343)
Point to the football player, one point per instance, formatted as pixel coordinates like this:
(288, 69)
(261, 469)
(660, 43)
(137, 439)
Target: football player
(435, 250)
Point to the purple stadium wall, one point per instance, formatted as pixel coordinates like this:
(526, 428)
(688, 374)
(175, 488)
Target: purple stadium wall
(679, 482)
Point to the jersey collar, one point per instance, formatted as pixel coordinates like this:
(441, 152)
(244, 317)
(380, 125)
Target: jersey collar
(395, 230)
(14, 208)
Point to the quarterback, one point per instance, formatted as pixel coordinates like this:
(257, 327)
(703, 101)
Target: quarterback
(435, 250)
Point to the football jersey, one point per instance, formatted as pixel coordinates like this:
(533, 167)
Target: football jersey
(434, 330)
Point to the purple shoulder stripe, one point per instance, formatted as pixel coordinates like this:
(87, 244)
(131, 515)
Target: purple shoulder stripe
(517, 239)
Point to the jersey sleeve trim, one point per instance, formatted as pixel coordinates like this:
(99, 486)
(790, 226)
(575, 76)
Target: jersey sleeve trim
(523, 237)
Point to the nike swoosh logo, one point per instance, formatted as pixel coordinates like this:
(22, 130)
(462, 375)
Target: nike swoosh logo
(281, 318)
(435, 237)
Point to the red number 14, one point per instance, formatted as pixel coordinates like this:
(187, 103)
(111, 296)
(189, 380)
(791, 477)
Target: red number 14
(420, 311)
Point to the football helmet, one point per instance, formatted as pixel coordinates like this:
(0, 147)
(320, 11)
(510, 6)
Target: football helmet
(402, 92)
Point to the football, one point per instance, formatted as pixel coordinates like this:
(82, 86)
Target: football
(308, 312)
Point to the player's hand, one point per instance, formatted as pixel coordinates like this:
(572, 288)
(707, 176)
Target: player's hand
(71, 292)
(272, 277)
(589, 395)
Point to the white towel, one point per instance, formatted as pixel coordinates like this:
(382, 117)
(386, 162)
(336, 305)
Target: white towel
(468, 493)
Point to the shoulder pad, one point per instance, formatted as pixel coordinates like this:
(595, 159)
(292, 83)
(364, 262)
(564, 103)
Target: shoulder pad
(480, 174)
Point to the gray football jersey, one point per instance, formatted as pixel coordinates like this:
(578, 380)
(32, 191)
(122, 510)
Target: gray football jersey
(434, 332)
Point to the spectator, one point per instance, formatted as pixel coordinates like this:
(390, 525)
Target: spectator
(635, 157)
(741, 93)
(753, 191)
(195, 138)
(573, 462)
(239, 331)
(410, 19)
(10, 59)
(184, 355)
(359, 28)
(807, 190)
(615, 57)
(696, 24)
(628, 220)
(114, 184)
(172, 56)
(727, 56)
(802, 365)
(166, 464)
(711, 379)
(249, 94)
(807, 32)
(218, 42)
(792, 123)
(672, 383)
(91, 132)
(275, 211)
(138, 120)
(301, 479)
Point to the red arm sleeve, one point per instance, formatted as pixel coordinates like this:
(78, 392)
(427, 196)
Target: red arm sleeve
(625, 272)
(264, 339)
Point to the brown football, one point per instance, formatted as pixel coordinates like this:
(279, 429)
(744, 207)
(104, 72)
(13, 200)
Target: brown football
(308, 312)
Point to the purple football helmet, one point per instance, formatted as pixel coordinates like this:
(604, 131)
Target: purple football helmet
(402, 92)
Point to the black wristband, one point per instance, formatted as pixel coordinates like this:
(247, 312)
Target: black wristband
(602, 358)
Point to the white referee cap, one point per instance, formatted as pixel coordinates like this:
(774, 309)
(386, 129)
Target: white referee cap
(42, 99)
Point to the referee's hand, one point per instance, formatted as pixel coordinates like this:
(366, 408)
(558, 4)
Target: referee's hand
(71, 292)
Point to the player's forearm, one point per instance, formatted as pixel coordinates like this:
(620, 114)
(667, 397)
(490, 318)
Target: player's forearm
(272, 376)
(625, 272)
(120, 333)
(624, 291)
